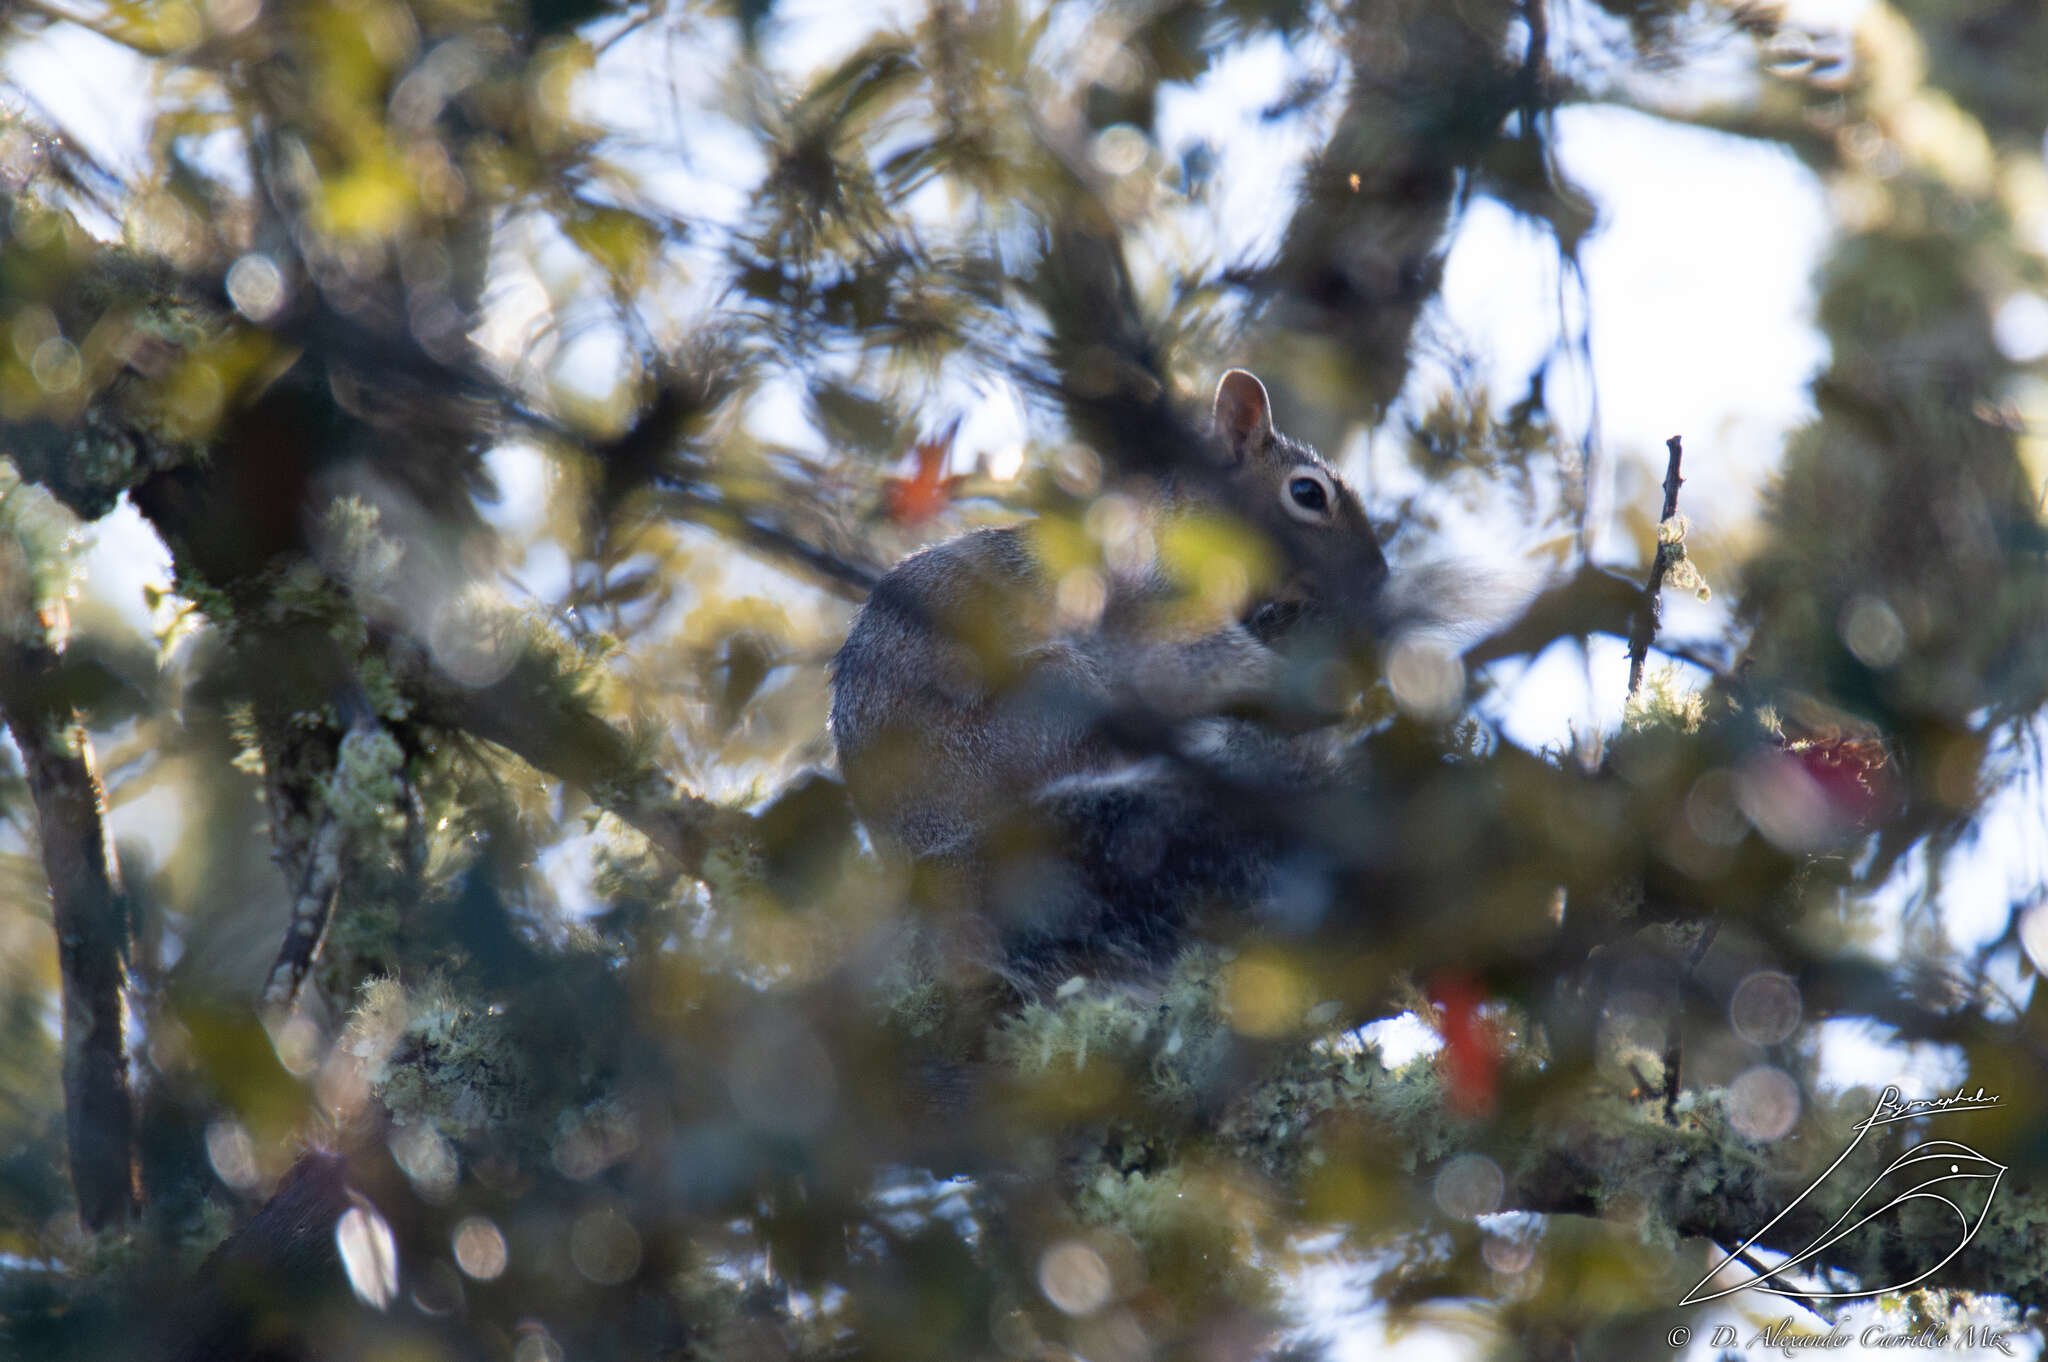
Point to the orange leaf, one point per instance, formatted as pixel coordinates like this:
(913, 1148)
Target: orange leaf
(1471, 1055)
(928, 491)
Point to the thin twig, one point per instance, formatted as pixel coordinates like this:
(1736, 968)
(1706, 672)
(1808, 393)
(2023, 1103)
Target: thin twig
(1755, 1264)
(1642, 634)
(1645, 631)
(845, 577)
(1535, 60)
(1674, 1027)
(1717, 671)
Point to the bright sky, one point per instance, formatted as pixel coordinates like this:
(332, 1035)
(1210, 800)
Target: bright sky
(1700, 325)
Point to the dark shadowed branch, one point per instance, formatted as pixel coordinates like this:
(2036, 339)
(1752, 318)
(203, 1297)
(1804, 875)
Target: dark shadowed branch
(260, 1293)
(87, 910)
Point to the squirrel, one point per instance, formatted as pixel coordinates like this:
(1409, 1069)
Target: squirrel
(1082, 782)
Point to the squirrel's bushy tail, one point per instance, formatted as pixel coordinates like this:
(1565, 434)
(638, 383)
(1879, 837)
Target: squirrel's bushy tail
(1451, 599)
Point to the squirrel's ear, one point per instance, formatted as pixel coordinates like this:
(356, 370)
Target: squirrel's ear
(1244, 417)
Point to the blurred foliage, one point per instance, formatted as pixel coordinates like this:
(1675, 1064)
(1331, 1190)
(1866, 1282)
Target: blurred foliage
(524, 394)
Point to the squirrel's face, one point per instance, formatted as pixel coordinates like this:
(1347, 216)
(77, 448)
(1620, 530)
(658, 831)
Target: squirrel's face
(1333, 567)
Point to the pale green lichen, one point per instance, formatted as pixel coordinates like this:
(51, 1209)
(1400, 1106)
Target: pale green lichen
(1665, 701)
(1174, 1038)
(1679, 569)
(367, 790)
(360, 553)
(433, 1057)
(917, 1003)
(732, 870)
(210, 601)
(42, 556)
(382, 690)
(102, 458)
(302, 589)
(241, 724)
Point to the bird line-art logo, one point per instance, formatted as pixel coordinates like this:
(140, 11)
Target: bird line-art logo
(1942, 1171)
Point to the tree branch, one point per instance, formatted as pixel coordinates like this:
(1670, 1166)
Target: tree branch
(265, 1288)
(91, 924)
(534, 712)
(1363, 253)
(314, 891)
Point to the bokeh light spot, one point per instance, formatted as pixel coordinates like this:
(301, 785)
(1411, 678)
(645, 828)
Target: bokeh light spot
(369, 1254)
(1074, 1278)
(427, 1159)
(56, 366)
(782, 1080)
(1120, 149)
(1765, 1008)
(256, 287)
(480, 1248)
(1711, 811)
(232, 1154)
(1427, 679)
(535, 1344)
(1763, 1103)
(604, 1247)
(1871, 630)
(1264, 996)
(2033, 926)
(1469, 1186)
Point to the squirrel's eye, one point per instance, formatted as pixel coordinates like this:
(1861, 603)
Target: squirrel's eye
(1308, 494)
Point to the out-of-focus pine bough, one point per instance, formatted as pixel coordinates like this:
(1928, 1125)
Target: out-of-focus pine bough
(724, 1109)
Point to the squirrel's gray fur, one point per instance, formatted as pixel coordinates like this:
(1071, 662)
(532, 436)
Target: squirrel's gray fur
(1083, 788)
